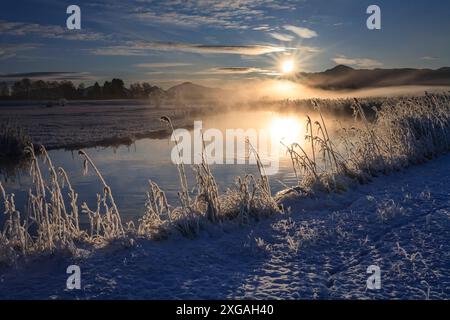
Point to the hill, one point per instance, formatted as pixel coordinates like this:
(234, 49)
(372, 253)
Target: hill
(191, 91)
(343, 77)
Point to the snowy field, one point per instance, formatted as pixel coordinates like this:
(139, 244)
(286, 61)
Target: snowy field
(320, 249)
(94, 123)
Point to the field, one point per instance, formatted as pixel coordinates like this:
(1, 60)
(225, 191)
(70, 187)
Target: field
(364, 197)
(94, 123)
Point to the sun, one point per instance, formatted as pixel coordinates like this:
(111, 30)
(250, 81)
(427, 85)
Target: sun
(287, 66)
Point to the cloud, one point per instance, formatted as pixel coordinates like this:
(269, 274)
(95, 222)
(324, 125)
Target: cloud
(218, 71)
(429, 58)
(118, 51)
(263, 27)
(251, 50)
(285, 6)
(301, 32)
(47, 31)
(140, 48)
(281, 37)
(357, 62)
(228, 14)
(308, 49)
(162, 65)
(49, 75)
(11, 50)
(188, 20)
(237, 70)
(151, 73)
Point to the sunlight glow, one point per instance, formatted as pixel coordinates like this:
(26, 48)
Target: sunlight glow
(285, 129)
(287, 66)
(284, 87)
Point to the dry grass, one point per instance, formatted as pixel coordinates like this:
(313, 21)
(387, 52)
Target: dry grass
(48, 224)
(404, 132)
(13, 141)
(249, 198)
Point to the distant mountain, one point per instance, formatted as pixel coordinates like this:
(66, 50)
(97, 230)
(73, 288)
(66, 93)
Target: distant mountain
(343, 77)
(191, 91)
(339, 69)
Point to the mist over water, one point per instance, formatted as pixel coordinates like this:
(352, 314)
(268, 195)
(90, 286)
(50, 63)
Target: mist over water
(280, 89)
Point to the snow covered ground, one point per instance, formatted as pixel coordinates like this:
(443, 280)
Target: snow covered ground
(320, 249)
(82, 124)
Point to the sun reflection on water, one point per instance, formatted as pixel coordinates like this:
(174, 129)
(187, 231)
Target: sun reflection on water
(286, 129)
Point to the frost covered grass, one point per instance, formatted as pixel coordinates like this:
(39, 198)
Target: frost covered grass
(403, 132)
(13, 141)
(52, 221)
(250, 198)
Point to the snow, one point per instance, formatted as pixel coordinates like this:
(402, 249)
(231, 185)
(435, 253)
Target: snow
(94, 123)
(319, 249)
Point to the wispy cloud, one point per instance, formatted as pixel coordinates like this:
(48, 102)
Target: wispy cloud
(11, 50)
(357, 62)
(301, 32)
(49, 75)
(219, 71)
(237, 70)
(47, 31)
(139, 48)
(228, 14)
(308, 49)
(281, 36)
(118, 51)
(263, 27)
(188, 20)
(162, 65)
(429, 58)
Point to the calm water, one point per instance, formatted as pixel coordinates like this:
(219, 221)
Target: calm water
(127, 169)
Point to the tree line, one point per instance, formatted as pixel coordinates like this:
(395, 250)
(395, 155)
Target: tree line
(27, 89)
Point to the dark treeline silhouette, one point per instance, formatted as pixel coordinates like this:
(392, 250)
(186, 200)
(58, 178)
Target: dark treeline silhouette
(27, 89)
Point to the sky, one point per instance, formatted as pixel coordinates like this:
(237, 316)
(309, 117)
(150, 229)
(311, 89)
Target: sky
(215, 41)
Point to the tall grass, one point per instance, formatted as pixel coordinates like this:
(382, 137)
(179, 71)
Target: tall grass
(13, 141)
(250, 197)
(48, 224)
(404, 132)
(108, 225)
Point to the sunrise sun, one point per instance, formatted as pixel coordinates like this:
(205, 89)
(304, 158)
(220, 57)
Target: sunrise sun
(287, 66)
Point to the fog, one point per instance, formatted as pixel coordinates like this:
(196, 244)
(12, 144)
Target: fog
(284, 89)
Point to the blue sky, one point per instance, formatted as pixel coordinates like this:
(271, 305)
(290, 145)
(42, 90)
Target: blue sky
(207, 41)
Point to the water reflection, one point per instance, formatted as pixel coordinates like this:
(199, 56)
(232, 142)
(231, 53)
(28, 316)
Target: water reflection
(287, 129)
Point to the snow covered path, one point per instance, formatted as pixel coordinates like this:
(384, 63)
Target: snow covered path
(321, 249)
